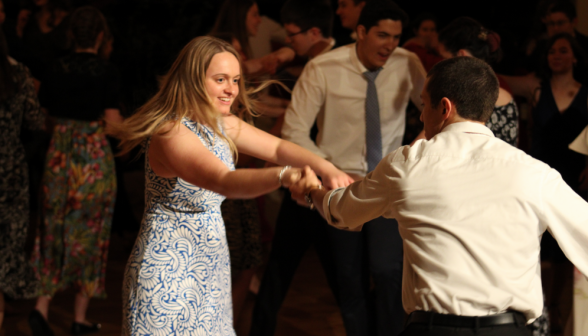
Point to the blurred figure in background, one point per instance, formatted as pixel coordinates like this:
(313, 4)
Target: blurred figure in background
(465, 36)
(425, 40)
(241, 19)
(79, 182)
(18, 107)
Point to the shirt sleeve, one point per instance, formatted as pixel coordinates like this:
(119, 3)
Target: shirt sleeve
(418, 76)
(565, 215)
(374, 196)
(308, 98)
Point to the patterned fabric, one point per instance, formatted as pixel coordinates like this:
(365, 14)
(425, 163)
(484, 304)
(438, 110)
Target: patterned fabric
(373, 131)
(243, 228)
(79, 184)
(17, 278)
(504, 123)
(178, 277)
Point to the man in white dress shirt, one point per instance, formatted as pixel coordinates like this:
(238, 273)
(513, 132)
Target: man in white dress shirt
(334, 91)
(471, 211)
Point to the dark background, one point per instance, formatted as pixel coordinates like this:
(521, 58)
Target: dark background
(148, 34)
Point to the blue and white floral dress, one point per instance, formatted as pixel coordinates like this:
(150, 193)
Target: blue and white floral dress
(178, 277)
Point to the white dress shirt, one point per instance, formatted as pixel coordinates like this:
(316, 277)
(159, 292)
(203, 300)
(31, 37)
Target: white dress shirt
(471, 211)
(332, 90)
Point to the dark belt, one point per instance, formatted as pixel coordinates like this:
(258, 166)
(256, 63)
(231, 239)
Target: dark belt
(457, 321)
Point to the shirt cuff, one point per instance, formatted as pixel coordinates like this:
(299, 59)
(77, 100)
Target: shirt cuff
(327, 206)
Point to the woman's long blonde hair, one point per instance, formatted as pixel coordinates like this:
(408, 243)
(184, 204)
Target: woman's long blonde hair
(182, 94)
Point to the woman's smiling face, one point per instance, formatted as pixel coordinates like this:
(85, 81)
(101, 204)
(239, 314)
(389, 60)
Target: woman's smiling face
(222, 81)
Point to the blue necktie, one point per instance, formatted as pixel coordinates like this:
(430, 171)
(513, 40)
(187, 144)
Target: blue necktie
(373, 132)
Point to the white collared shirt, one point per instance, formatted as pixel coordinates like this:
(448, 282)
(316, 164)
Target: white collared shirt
(471, 211)
(332, 90)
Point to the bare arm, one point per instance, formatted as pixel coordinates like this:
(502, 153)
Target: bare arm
(255, 142)
(112, 116)
(523, 86)
(180, 153)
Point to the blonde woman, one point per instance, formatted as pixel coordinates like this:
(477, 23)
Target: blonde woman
(178, 279)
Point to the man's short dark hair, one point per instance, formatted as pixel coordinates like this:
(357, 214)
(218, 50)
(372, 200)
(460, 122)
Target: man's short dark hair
(563, 6)
(376, 10)
(307, 14)
(467, 82)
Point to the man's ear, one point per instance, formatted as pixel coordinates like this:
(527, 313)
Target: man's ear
(361, 32)
(463, 52)
(448, 108)
(316, 32)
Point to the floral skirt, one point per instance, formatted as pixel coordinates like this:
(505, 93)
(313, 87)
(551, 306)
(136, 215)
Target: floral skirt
(79, 185)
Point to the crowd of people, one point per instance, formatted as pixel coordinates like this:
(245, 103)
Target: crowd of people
(443, 219)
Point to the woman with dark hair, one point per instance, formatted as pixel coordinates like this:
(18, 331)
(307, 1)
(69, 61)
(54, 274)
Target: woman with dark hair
(79, 180)
(241, 19)
(559, 97)
(467, 37)
(425, 40)
(18, 107)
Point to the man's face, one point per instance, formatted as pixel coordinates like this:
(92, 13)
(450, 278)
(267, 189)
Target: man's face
(557, 23)
(300, 41)
(349, 12)
(375, 46)
(431, 116)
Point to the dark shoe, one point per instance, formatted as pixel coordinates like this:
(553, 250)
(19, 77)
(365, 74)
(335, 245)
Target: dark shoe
(39, 325)
(82, 329)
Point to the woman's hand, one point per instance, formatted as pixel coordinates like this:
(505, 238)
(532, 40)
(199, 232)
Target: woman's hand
(305, 185)
(290, 176)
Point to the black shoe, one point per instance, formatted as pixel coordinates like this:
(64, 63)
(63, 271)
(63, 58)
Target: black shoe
(82, 329)
(39, 325)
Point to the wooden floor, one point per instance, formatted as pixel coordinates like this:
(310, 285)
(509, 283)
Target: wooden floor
(309, 309)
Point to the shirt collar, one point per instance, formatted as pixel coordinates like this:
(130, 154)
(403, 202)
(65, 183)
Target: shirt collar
(468, 127)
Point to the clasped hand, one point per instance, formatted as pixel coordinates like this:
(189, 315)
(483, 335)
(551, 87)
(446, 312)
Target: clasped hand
(301, 183)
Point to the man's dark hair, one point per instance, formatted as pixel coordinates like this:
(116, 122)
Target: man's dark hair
(376, 10)
(307, 14)
(357, 2)
(563, 6)
(467, 82)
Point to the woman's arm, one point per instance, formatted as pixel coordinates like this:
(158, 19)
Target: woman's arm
(255, 142)
(180, 153)
(523, 86)
(112, 116)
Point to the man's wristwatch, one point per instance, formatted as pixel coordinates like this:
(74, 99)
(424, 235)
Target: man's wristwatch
(308, 197)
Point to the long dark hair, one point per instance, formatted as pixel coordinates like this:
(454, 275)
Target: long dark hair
(580, 69)
(469, 34)
(231, 19)
(7, 85)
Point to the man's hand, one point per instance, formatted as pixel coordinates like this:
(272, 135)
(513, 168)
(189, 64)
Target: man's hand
(308, 182)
